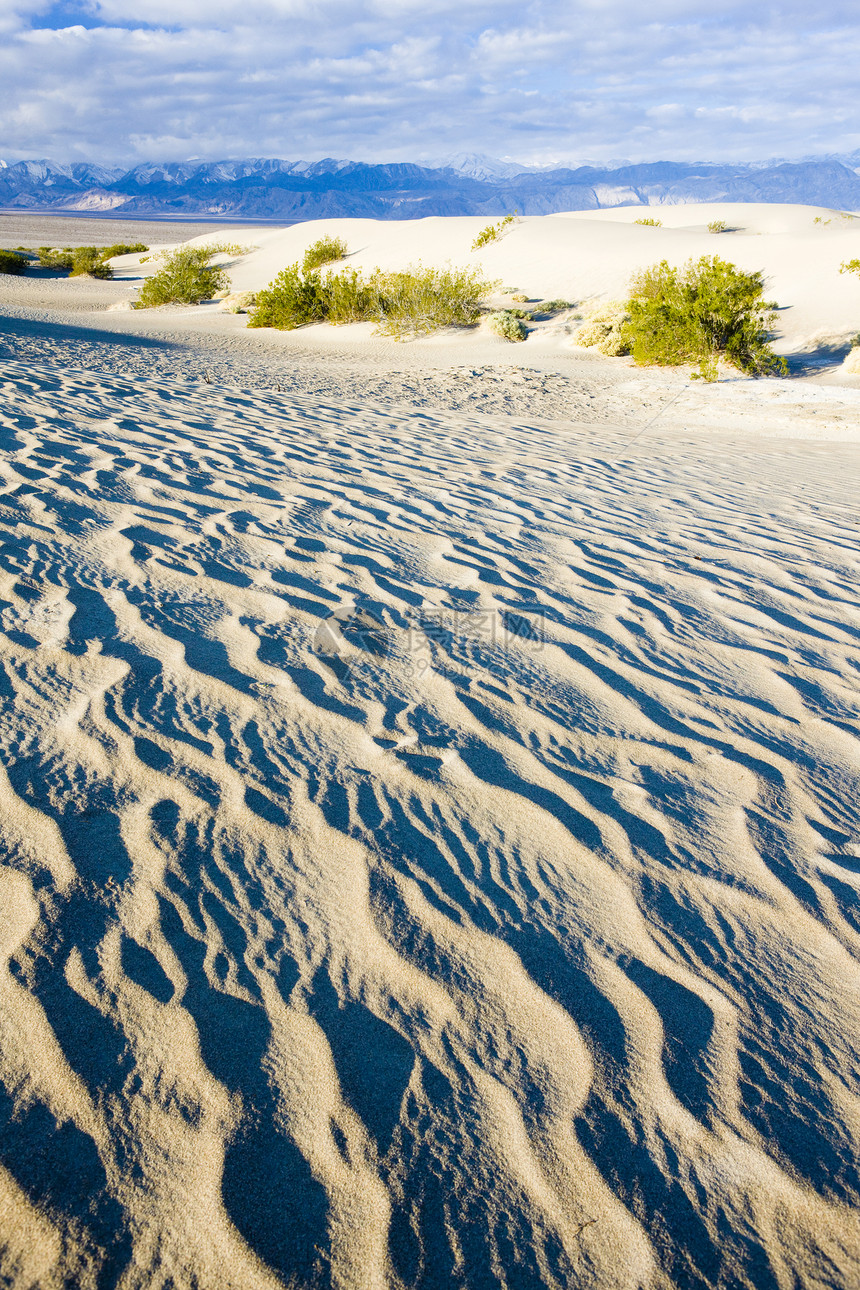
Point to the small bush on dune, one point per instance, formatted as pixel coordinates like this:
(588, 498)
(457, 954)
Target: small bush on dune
(12, 263)
(604, 330)
(87, 260)
(292, 300)
(649, 223)
(186, 277)
(717, 226)
(122, 248)
(507, 325)
(706, 311)
(553, 306)
(419, 300)
(411, 302)
(325, 251)
(492, 232)
(850, 266)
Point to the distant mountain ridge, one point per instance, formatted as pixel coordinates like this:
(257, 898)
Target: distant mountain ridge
(466, 184)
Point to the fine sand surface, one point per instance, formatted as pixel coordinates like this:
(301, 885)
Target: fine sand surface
(428, 810)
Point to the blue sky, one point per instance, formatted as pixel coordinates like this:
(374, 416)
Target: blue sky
(552, 80)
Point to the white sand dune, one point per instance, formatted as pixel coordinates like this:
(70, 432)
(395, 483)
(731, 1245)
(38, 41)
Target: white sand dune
(430, 849)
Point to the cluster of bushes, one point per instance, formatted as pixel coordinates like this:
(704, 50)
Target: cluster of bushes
(492, 232)
(11, 262)
(649, 223)
(89, 260)
(707, 311)
(409, 302)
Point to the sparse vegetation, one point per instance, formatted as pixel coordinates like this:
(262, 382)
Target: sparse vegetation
(699, 314)
(507, 324)
(717, 226)
(411, 302)
(649, 222)
(553, 306)
(12, 263)
(850, 266)
(122, 248)
(604, 329)
(186, 277)
(520, 297)
(492, 232)
(325, 251)
(89, 260)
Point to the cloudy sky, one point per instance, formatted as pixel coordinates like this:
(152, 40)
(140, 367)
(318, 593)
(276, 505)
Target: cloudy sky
(383, 80)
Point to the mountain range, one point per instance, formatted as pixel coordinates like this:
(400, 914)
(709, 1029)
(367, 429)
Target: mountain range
(466, 184)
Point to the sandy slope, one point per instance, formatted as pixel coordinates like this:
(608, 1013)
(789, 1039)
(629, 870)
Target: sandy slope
(500, 932)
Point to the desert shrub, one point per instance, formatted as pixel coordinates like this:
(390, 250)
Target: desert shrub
(604, 330)
(850, 266)
(491, 233)
(122, 248)
(410, 302)
(717, 226)
(325, 251)
(507, 325)
(417, 300)
(51, 257)
(87, 260)
(12, 263)
(520, 297)
(553, 306)
(238, 303)
(186, 277)
(348, 297)
(649, 223)
(292, 300)
(706, 311)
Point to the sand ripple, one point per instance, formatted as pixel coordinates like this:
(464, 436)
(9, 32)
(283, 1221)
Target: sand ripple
(430, 852)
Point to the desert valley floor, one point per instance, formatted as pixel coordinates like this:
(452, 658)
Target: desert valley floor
(428, 809)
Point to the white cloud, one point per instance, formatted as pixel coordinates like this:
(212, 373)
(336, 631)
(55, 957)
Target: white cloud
(390, 79)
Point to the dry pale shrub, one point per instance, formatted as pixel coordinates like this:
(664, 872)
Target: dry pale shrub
(507, 325)
(604, 329)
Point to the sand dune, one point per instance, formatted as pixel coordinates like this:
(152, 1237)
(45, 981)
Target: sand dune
(430, 845)
(591, 256)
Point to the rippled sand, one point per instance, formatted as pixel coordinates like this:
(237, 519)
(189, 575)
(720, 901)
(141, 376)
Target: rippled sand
(430, 851)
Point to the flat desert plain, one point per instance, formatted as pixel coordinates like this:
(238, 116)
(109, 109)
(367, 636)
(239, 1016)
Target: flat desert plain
(429, 784)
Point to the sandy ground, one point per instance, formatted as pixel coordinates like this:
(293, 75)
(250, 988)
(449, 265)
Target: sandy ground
(428, 805)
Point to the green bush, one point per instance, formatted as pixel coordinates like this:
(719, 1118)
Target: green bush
(292, 300)
(325, 251)
(121, 248)
(411, 302)
(186, 277)
(507, 325)
(850, 266)
(12, 263)
(707, 310)
(51, 257)
(717, 226)
(649, 223)
(87, 260)
(553, 306)
(491, 233)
